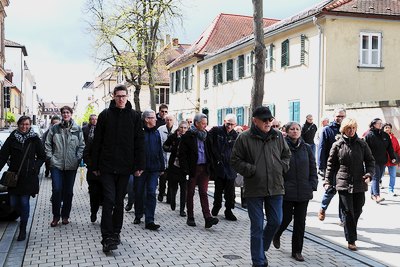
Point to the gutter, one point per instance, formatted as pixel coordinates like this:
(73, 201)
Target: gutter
(319, 85)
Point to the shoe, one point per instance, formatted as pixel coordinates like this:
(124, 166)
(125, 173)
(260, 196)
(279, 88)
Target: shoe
(152, 226)
(321, 214)
(298, 256)
(352, 246)
(211, 221)
(276, 242)
(215, 211)
(191, 222)
(160, 197)
(373, 197)
(229, 215)
(93, 217)
(173, 205)
(116, 239)
(136, 221)
(379, 199)
(22, 231)
(65, 221)
(108, 245)
(128, 207)
(182, 214)
(341, 224)
(54, 222)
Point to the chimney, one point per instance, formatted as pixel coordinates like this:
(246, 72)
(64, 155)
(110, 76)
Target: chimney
(175, 42)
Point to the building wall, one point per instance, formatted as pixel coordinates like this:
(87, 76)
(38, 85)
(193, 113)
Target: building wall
(14, 62)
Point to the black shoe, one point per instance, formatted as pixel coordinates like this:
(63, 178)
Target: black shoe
(215, 211)
(128, 207)
(276, 242)
(152, 226)
(191, 222)
(93, 217)
(173, 205)
(297, 256)
(182, 214)
(229, 215)
(160, 197)
(116, 239)
(22, 231)
(136, 221)
(108, 245)
(211, 221)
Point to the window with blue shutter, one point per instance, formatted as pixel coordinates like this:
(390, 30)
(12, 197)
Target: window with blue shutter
(294, 111)
(219, 116)
(240, 116)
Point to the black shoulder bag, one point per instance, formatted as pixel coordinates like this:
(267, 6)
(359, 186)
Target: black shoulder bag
(10, 179)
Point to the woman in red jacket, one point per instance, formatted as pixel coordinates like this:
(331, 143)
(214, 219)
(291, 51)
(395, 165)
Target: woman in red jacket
(387, 127)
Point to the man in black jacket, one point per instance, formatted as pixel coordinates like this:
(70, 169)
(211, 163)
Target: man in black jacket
(117, 152)
(222, 139)
(308, 132)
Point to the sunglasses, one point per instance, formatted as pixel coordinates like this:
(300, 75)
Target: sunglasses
(267, 119)
(230, 124)
(275, 126)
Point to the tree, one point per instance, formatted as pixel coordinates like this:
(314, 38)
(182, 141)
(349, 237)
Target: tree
(85, 118)
(128, 34)
(257, 91)
(10, 117)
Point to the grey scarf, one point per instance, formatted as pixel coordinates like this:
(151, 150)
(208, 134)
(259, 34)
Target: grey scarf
(22, 137)
(201, 135)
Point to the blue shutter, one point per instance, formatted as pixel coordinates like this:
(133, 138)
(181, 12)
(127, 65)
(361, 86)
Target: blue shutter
(240, 116)
(219, 116)
(228, 111)
(296, 111)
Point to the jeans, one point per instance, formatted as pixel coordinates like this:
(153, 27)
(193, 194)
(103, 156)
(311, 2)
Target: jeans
(201, 179)
(146, 202)
(379, 170)
(21, 204)
(227, 187)
(392, 175)
(131, 190)
(114, 191)
(352, 205)
(63, 191)
(260, 237)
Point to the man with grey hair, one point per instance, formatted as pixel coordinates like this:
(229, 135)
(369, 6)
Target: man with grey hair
(194, 160)
(222, 139)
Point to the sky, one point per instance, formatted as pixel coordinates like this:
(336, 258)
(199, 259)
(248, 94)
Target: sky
(60, 49)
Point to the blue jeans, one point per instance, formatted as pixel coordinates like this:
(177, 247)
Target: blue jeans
(392, 175)
(131, 190)
(21, 204)
(145, 195)
(379, 170)
(63, 191)
(260, 237)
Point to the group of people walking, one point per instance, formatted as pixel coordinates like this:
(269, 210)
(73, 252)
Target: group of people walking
(127, 151)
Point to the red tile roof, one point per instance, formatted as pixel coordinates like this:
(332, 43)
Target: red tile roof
(224, 30)
(367, 7)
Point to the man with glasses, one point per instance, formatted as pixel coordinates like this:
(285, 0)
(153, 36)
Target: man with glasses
(262, 155)
(117, 152)
(162, 113)
(222, 139)
(327, 138)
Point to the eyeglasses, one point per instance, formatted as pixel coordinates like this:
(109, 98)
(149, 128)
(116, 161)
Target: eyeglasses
(65, 112)
(164, 111)
(340, 116)
(230, 124)
(275, 126)
(189, 121)
(120, 96)
(267, 119)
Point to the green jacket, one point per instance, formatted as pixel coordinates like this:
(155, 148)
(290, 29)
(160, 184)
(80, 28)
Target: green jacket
(64, 146)
(262, 163)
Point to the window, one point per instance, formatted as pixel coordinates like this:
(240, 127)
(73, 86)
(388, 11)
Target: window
(206, 78)
(162, 95)
(294, 111)
(241, 66)
(191, 75)
(185, 78)
(220, 73)
(303, 49)
(217, 74)
(269, 58)
(172, 82)
(285, 53)
(177, 80)
(249, 64)
(240, 116)
(370, 49)
(229, 70)
(219, 116)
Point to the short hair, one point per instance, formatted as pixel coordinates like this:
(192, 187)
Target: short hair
(67, 108)
(55, 117)
(198, 117)
(309, 115)
(324, 119)
(92, 115)
(170, 116)
(24, 118)
(346, 123)
(289, 124)
(372, 123)
(120, 87)
(388, 124)
(183, 123)
(162, 106)
(337, 110)
(147, 113)
(231, 117)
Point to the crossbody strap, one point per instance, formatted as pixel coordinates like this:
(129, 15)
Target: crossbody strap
(23, 159)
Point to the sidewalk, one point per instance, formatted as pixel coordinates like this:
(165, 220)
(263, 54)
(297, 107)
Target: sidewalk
(176, 244)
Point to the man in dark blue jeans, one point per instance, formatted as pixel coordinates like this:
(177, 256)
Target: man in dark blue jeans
(117, 152)
(262, 155)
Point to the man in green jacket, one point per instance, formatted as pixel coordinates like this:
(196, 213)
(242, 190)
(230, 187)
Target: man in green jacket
(261, 155)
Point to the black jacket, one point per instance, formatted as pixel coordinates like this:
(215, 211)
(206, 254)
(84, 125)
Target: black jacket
(308, 132)
(188, 153)
(301, 178)
(381, 146)
(171, 145)
(118, 144)
(160, 121)
(12, 150)
(349, 160)
(221, 144)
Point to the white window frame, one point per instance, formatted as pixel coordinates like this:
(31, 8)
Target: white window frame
(267, 58)
(369, 50)
(247, 65)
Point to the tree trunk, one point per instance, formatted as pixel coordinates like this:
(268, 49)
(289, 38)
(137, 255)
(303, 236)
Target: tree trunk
(136, 98)
(151, 87)
(257, 91)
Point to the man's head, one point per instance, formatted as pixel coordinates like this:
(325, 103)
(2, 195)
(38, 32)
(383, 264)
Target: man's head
(340, 114)
(262, 118)
(324, 121)
(276, 124)
(66, 113)
(230, 122)
(200, 121)
(189, 121)
(183, 127)
(93, 119)
(149, 118)
(169, 120)
(163, 110)
(55, 120)
(120, 95)
(309, 119)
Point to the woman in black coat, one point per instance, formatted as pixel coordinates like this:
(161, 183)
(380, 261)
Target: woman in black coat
(13, 151)
(351, 163)
(300, 182)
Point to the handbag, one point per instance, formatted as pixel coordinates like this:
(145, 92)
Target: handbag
(10, 179)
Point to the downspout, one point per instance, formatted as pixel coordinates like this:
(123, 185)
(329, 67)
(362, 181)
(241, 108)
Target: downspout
(319, 85)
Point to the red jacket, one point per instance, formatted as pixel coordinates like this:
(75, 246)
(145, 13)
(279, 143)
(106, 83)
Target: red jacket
(396, 149)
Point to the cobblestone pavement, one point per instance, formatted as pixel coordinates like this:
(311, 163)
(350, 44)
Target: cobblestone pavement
(176, 244)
